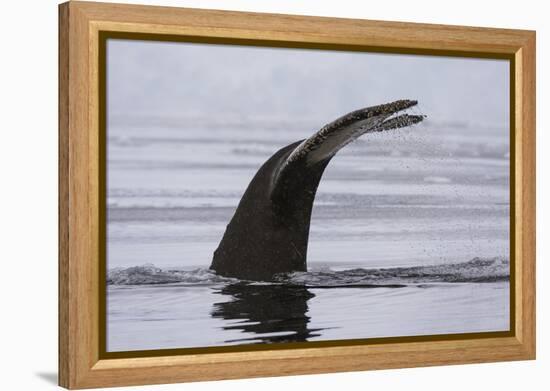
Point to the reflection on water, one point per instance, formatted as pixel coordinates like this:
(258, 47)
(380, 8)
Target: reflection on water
(204, 314)
(155, 308)
(272, 313)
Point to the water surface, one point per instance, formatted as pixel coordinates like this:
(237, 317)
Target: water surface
(409, 235)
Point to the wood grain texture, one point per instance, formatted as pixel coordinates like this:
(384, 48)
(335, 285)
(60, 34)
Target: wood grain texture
(63, 200)
(527, 186)
(79, 166)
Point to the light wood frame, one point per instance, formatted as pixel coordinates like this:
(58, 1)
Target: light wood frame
(81, 163)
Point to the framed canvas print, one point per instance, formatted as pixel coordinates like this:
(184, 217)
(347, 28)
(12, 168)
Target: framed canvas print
(248, 195)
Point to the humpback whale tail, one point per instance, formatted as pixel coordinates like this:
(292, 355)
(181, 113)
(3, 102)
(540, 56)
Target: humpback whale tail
(269, 231)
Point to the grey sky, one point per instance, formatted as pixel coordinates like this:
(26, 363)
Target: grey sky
(157, 78)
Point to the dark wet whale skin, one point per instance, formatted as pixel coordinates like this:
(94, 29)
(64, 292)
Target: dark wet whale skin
(269, 232)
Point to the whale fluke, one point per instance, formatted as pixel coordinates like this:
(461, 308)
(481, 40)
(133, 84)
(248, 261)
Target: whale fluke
(269, 231)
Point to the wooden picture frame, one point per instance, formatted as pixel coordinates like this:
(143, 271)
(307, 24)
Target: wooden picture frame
(82, 160)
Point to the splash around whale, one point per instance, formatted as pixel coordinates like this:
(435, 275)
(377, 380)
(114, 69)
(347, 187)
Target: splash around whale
(476, 270)
(268, 234)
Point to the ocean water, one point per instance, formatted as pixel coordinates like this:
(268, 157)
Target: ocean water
(409, 235)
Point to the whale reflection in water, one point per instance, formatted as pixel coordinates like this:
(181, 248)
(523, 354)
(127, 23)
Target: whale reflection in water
(267, 313)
